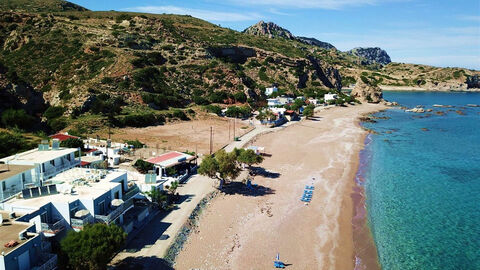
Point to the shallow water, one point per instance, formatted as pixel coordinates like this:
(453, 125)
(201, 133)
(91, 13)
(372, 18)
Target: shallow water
(423, 182)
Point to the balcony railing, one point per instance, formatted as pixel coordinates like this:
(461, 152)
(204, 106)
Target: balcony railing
(130, 193)
(66, 165)
(52, 229)
(115, 213)
(78, 223)
(50, 260)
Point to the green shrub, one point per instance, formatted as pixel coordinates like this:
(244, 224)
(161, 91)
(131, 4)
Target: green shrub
(57, 124)
(12, 143)
(54, 112)
(218, 97)
(213, 109)
(143, 166)
(240, 97)
(180, 115)
(136, 143)
(238, 112)
(17, 118)
(122, 17)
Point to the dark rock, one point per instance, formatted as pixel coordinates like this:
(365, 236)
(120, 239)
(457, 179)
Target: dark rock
(315, 42)
(367, 92)
(473, 81)
(328, 75)
(232, 54)
(371, 55)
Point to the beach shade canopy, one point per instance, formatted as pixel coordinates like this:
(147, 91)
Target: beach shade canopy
(117, 202)
(82, 213)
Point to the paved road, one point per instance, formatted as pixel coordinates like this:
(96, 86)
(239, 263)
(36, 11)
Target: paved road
(150, 244)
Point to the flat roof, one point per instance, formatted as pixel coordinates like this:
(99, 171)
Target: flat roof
(82, 181)
(170, 159)
(9, 231)
(36, 156)
(7, 171)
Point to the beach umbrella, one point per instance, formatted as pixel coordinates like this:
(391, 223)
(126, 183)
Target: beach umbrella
(278, 257)
(117, 202)
(82, 213)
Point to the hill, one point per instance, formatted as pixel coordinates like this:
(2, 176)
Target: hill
(84, 69)
(39, 6)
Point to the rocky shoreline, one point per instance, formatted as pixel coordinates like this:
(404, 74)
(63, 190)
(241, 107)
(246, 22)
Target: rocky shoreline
(411, 88)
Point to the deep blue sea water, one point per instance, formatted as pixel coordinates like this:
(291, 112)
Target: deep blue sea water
(423, 183)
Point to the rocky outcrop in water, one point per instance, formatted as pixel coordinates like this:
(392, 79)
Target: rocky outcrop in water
(366, 92)
(371, 55)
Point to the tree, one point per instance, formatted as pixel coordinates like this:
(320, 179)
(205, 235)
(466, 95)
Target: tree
(17, 118)
(157, 196)
(93, 247)
(248, 157)
(173, 187)
(72, 143)
(297, 104)
(223, 166)
(309, 110)
(143, 166)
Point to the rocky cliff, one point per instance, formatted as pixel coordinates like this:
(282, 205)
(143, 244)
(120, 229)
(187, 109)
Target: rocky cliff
(272, 30)
(268, 29)
(365, 91)
(315, 42)
(371, 55)
(473, 81)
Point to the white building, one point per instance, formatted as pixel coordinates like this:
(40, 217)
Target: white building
(75, 198)
(47, 161)
(273, 102)
(183, 164)
(329, 97)
(313, 101)
(279, 101)
(14, 178)
(269, 91)
(22, 248)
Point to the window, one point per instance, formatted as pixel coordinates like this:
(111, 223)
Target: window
(4, 186)
(101, 208)
(52, 162)
(23, 178)
(117, 195)
(69, 158)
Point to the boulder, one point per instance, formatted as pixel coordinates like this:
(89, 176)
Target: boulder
(367, 92)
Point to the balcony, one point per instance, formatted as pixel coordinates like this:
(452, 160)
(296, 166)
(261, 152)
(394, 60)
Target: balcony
(115, 213)
(50, 262)
(59, 168)
(78, 223)
(131, 193)
(50, 230)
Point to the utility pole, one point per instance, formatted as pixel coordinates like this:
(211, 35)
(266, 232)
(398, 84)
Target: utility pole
(211, 140)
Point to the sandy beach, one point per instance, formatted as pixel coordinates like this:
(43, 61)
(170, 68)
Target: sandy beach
(242, 231)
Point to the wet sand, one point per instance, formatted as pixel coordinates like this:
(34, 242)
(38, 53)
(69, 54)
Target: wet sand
(242, 231)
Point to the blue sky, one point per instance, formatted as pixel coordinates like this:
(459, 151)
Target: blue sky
(440, 33)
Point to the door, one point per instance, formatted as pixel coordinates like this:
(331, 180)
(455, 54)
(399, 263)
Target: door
(24, 261)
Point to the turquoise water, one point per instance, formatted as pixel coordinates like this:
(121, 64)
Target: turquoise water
(423, 183)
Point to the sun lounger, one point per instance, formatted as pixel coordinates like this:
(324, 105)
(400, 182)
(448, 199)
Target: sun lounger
(310, 187)
(308, 191)
(305, 199)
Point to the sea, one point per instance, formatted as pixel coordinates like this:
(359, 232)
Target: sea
(422, 182)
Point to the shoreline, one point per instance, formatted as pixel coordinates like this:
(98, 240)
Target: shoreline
(240, 232)
(366, 255)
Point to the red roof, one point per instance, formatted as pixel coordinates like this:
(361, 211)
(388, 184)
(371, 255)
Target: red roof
(289, 111)
(164, 157)
(84, 163)
(62, 137)
(89, 150)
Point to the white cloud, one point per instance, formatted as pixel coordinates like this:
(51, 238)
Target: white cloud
(322, 4)
(208, 15)
(469, 18)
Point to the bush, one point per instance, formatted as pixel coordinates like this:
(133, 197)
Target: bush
(199, 100)
(12, 143)
(136, 144)
(240, 97)
(238, 112)
(72, 143)
(143, 166)
(17, 118)
(218, 97)
(122, 17)
(213, 109)
(180, 115)
(140, 120)
(54, 112)
(57, 124)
